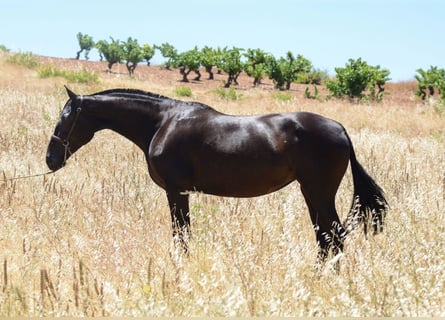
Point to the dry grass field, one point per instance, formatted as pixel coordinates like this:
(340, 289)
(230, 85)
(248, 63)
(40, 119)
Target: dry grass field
(94, 238)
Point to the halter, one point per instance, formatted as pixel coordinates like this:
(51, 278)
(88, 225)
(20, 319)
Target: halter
(65, 142)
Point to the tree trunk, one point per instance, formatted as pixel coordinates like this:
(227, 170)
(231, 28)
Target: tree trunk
(431, 90)
(78, 54)
(235, 78)
(422, 94)
(184, 74)
(209, 71)
(131, 67)
(288, 83)
(229, 81)
(110, 65)
(198, 75)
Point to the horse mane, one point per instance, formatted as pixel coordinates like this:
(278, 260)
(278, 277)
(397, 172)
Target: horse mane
(132, 93)
(141, 94)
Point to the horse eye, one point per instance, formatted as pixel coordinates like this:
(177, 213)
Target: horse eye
(66, 112)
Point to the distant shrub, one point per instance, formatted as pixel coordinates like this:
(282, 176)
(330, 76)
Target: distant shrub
(26, 59)
(3, 48)
(83, 76)
(183, 91)
(314, 96)
(228, 94)
(48, 72)
(283, 96)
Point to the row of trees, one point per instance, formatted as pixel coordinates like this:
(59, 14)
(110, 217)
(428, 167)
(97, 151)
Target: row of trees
(255, 62)
(116, 51)
(356, 80)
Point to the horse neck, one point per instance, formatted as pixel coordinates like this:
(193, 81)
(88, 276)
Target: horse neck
(137, 120)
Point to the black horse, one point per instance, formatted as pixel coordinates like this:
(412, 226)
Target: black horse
(191, 147)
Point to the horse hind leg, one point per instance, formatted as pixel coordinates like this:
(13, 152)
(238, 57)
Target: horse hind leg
(329, 232)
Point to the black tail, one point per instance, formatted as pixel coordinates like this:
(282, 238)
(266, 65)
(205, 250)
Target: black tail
(369, 204)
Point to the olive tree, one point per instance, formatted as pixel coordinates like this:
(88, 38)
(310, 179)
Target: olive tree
(133, 54)
(358, 81)
(285, 70)
(148, 53)
(112, 51)
(86, 43)
(256, 65)
(187, 62)
(231, 63)
(168, 51)
(430, 80)
(210, 58)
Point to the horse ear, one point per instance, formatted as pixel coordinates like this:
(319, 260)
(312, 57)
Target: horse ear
(71, 94)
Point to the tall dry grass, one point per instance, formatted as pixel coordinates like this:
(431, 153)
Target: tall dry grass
(94, 238)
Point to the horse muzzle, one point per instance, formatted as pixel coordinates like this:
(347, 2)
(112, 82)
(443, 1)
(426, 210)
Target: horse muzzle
(54, 161)
(57, 154)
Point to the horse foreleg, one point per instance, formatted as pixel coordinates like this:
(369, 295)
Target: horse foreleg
(180, 216)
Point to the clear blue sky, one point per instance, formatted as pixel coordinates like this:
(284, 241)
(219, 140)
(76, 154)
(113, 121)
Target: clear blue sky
(401, 35)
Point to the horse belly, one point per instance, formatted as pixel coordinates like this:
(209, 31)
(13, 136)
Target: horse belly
(248, 180)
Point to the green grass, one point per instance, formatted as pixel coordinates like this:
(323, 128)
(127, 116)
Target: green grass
(26, 59)
(228, 94)
(315, 95)
(183, 91)
(283, 96)
(82, 76)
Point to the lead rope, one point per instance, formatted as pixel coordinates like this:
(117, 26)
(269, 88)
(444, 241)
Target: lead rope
(25, 177)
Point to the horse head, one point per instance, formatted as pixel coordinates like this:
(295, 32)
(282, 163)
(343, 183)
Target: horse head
(72, 132)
